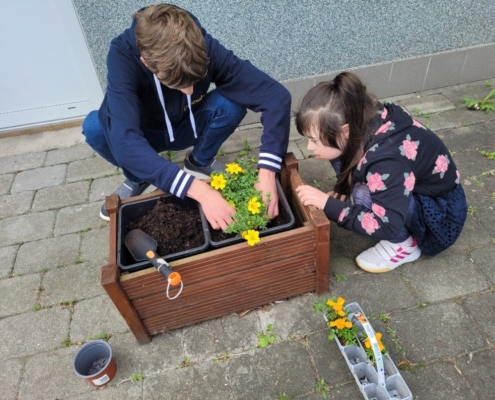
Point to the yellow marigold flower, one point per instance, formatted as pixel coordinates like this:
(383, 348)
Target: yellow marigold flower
(233, 168)
(252, 237)
(254, 206)
(367, 342)
(218, 182)
(243, 234)
(341, 323)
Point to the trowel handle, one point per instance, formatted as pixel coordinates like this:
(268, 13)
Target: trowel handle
(164, 268)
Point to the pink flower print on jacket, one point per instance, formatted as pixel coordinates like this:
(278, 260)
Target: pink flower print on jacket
(418, 124)
(384, 113)
(441, 165)
(409, 182)
(458, 176)
(368, 222)
(363, 160)
(409, 148)
(343, 214)
(387, 126)
(379, 211)
(375, 181)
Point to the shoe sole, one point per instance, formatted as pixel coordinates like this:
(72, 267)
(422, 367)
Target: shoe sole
(365, 266)
(105, 217)
(196, 174)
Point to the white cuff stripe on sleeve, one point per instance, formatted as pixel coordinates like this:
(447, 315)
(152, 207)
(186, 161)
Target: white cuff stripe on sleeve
(268, 155)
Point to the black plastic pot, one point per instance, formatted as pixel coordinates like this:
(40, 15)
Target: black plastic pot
(133, 211)
(284, 211)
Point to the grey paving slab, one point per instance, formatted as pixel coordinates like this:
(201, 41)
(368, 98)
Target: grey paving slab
(72, 283)
(93, 316)
(26, 228)
(482, 309)
(11, 372)
(33, 332)
(15, 204)
(6, 183)
(39, 178)
(449, 332)
(427, 104)
(439, 381)
(61, 196)
(483, 259)
(473, 235)
(228, 335)
(17, 162)
(94, 246)
(440, 278)
(90, 168)
(7, 257)
(268, 372)
(115, 390)
(292, 319)
(164, 353)
(203, 381)
(49, 375)
(478, 370)
(102, 187)
(78, 218)
(468, 137)
(47, 254)
(18, 294)
(236, 141)
(67, 155)
(457, 93)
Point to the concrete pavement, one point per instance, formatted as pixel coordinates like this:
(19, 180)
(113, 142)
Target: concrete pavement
(437, 315)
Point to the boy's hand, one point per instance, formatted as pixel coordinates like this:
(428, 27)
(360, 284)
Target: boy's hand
(217, 211)
(266, 184)
(311, 196)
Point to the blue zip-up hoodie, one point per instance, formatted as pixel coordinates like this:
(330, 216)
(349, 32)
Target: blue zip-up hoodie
(131, 104)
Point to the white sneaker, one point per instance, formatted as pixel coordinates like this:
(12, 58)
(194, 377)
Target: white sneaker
(386, 256)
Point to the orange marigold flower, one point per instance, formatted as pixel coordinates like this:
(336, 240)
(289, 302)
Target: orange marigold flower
(341, 323)
(336, 304)
(367, 342)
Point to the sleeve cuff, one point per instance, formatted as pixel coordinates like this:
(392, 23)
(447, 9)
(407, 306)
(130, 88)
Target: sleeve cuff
(181, 184)
(270, 161)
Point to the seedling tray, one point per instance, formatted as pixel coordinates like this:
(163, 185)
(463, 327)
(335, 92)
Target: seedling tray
(381, 381)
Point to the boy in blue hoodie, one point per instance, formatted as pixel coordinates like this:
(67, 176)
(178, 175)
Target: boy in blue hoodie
(157, 99)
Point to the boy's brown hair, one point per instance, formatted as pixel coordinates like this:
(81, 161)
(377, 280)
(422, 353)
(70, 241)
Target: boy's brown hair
(171, 44)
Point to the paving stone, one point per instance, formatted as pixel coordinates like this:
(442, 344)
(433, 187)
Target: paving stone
(427, 104)
(94, 316)
(26, 228)
(266, 373)
(478, 369)
(294, 148)
(292, 318)
(18, 162)
(467, 137)
(482, 309)
(439, 381)
(15, 204)
(236, 141)
(47, 254)
(439, 278)
(33, 332)
(128, 390)
(483, 259)
(6, 183)
(437, 122)
(329, 361)
(449, 332)
(471, 163)
(7, 257)
(312, 170)
(78, 218)
(457, 93)
(165, 352)
(227, 335)
(11, 372)
(463, 117)
(18, 294)
(70, 154)
(473, 235)
(39, 178)
(61, 196)
(102, 187)
(49, 375)
(91, 168)
(349, 391)
(95, 245)
(75, 282)
(204, 381)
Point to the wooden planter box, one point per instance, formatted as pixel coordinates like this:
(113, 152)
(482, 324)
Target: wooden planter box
(226, 280)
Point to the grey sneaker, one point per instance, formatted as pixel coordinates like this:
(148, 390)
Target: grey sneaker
(126, 190)
(202, 172)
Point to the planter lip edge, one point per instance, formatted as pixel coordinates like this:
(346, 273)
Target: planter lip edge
(85, 347)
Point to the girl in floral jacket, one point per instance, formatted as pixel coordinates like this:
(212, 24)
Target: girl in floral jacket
(396, 180)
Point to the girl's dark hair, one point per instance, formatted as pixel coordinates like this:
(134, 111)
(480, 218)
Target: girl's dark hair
(330, 105)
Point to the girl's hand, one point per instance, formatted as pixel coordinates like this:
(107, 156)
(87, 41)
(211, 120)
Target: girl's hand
(311, 196)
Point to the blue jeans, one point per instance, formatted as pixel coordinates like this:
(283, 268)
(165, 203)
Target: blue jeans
(216, 119)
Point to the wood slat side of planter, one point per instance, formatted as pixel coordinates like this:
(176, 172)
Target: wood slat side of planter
(228, 286)
(227, 260)
(290, 288)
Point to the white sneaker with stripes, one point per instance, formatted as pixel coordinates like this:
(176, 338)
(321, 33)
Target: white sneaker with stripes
(386, 256)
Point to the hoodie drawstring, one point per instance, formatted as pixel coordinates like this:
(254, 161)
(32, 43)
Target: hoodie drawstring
(167, 119)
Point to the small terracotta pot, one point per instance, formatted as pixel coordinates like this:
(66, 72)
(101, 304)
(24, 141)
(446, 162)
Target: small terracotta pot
(94, 362)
